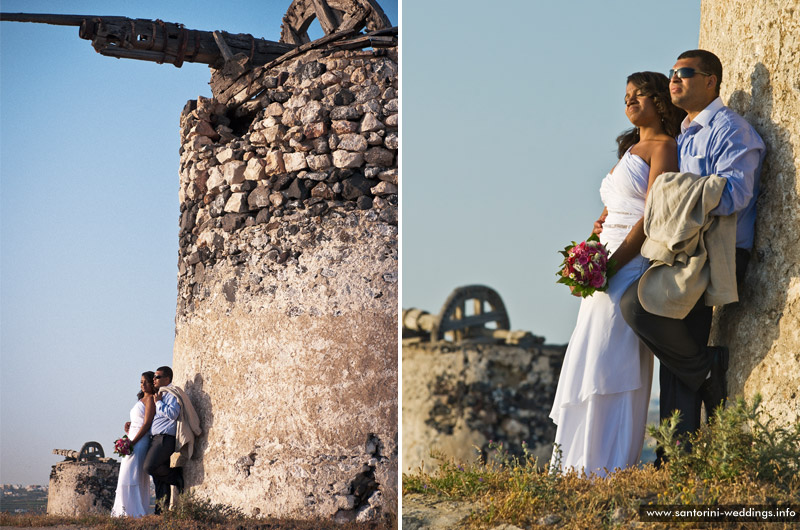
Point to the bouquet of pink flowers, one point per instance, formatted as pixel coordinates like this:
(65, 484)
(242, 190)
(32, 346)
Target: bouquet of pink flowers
(587, 267)
(123, 446)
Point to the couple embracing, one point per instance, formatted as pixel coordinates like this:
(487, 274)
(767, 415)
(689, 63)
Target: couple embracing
(679, 219)
(163, 421)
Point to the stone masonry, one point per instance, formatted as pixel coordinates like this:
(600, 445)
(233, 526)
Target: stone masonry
(458, 398)
(759, 46)
(286, 326)
(82, 488)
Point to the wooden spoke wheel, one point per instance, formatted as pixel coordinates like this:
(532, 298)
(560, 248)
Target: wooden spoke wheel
(90, 451)
(468, 311)
(333, 16)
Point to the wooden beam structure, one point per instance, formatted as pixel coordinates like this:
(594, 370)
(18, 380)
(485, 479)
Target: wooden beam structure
(159, 41)
(239, 61)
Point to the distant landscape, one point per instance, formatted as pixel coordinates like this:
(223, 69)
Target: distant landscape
(23, 499)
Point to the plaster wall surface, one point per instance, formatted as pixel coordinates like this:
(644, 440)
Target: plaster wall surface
(759, 46)
(297, 389)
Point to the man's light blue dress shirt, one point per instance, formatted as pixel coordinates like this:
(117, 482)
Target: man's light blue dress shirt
(720, 142)
(167, 412)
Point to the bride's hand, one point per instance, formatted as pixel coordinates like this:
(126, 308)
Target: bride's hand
(598, 225)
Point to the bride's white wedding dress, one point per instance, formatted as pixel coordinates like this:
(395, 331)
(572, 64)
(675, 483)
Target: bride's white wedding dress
(604, 389)
(133, 488)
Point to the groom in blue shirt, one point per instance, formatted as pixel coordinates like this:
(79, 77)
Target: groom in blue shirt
(162, 440)
(714, 140)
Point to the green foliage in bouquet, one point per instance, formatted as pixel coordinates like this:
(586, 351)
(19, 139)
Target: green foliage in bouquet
(587, 267)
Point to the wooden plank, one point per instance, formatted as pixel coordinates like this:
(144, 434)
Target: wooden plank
(235, 86)
(38, 18)
(289, 35)
(378, 17)
(109, 35)
(470, 321)
(365, 42)
(247, 88)
(223, 47)
(140, 55)
(355, 20)
(325, 16)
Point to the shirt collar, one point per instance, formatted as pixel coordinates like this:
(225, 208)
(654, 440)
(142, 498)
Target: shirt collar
(704, 118)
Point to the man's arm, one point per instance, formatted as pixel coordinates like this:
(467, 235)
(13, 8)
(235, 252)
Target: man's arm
(740, 155)
(167, 405)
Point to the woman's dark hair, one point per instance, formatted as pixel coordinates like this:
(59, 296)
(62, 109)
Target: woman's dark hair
(149, 377)
(655, 86)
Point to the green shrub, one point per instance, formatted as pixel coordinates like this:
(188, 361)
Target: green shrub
(742, 442)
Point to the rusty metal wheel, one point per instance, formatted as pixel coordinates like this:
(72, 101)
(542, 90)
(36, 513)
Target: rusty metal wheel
(90, 451)
(468, 311)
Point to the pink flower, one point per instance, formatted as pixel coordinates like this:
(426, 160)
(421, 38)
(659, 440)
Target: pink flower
(598, 279)
(123, 446)
(586, 266)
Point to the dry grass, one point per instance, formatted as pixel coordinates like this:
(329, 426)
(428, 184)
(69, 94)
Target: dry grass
(742, 458)
(155, 522)
(191, 513)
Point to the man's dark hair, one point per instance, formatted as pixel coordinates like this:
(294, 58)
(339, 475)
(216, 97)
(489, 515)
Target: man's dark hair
(709, 63)
(166, 370)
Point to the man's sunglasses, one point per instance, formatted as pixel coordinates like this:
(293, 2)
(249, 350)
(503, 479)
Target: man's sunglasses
(159, 376)
(686, 72)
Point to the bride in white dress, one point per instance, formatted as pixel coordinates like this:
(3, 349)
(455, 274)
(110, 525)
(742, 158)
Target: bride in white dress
(604, 389)
(133, 488)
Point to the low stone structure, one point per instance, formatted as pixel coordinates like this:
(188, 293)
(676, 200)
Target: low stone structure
(457, 399)
(491, 386)
(84, 483)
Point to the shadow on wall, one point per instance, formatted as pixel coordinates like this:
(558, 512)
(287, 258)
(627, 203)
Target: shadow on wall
(751, 326)
(194, 472)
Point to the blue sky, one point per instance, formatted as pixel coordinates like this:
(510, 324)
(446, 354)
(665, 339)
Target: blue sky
(510, 114)
(510, 111)
(89, 220)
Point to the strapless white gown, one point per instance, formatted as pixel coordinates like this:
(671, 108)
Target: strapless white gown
(603, 392)
(133, 488)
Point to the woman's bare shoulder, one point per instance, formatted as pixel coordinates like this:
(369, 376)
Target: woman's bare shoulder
(665, 146)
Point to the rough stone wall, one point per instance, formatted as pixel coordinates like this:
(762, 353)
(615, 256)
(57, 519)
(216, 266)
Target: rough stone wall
(759, 46)
(286, 329)
(457, 398)
(81, 488)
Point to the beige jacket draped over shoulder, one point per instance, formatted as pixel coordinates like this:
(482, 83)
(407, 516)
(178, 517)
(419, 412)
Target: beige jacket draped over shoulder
(188, 427)
(691, 251)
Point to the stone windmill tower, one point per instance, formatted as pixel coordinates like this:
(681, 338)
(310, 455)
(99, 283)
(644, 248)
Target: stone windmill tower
(286, 329)
(286, 324)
